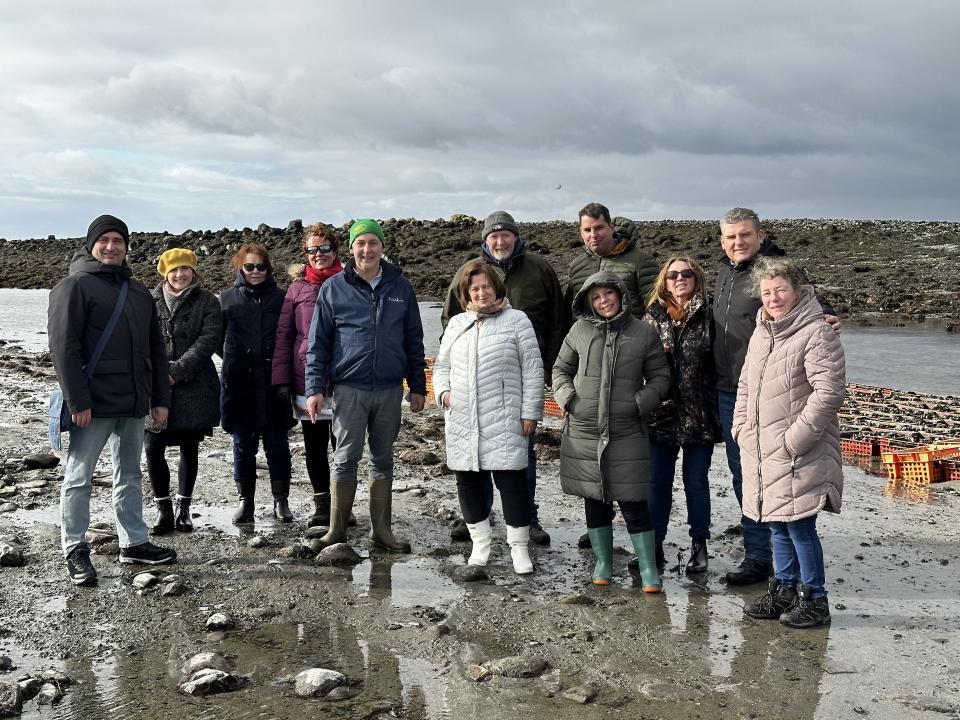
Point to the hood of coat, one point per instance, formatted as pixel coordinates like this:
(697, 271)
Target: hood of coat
(240, 281)
(296, 270)
(582, 308)
(519, 250)
(806, 311)
(85, 263)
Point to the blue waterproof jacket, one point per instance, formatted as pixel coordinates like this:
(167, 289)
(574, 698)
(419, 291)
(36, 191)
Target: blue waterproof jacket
(367, 338)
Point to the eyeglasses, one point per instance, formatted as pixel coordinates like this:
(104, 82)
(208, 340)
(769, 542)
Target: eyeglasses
(324, 249)
(250, 267)
(674, 274)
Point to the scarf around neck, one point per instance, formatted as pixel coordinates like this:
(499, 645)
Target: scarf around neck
(485, 311)
(318, 277)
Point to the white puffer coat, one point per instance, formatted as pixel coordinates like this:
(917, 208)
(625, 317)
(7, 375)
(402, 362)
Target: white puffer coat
(785, 421)
(493, 372)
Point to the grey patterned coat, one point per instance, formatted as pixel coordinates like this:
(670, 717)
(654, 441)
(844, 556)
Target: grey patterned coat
(608, 376)
(192, 331)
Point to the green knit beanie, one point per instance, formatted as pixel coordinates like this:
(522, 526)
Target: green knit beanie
(365, 225)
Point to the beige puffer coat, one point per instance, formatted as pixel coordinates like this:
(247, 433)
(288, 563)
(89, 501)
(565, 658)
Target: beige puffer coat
(791, 389)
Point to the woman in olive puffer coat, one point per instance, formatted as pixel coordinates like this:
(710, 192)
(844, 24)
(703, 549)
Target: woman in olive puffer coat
(785, 422)
(610, 373)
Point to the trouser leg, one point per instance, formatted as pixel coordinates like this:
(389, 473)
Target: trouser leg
(276, 446)
(155, 446)
(663, 465)
(315, 438)
(513, 486)
(696, 488)
(126, 446)
(245, 443)
(83, 452)
(189, 467)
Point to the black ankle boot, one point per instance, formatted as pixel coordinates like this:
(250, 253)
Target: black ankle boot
(244, 513)
(181, 515)
(321, 513)
(807, 612)
(164, 523)
(778, 600)
(281, 509)
(698, 557)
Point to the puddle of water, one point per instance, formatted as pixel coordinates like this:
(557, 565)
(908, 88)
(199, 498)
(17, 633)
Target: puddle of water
(424, 689)
(405, 584)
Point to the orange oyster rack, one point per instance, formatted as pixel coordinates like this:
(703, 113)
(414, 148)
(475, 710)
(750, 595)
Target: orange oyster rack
(926, 464)
(550, 406)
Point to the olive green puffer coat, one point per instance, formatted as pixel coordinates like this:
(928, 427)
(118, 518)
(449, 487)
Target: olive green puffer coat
(608, 376)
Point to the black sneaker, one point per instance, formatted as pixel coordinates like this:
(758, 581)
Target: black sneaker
(79, 566)
(750, 572)
(778, 600)
(147, 554)
(538, 536)
(459, 531)
(807, 612)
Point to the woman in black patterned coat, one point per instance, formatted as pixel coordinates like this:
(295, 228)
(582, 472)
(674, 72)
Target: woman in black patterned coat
(192, 327)
(678, 310)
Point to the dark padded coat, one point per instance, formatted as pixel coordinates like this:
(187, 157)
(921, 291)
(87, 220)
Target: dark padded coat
(250, 316)
(131, 376)
(608, 376)
(192, 332)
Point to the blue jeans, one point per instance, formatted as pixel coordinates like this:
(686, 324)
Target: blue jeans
(246, 440)
(125, 436)
(696, 486)
(798, 555)
(531, 483)
(756, 536)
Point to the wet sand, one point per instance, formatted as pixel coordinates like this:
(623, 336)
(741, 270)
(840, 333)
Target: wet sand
(408, 633)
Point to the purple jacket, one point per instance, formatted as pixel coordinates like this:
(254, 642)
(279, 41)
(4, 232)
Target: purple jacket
(293, 331)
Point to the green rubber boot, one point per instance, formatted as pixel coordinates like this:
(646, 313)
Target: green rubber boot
(601, 539)
(644, 545)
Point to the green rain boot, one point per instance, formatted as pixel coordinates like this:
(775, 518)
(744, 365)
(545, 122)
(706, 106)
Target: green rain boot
(601, 539)
(644, 545)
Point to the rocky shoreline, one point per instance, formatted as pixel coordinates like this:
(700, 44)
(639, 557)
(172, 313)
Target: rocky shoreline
(871, 271)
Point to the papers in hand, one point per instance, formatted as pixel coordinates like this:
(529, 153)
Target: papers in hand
(300, 408)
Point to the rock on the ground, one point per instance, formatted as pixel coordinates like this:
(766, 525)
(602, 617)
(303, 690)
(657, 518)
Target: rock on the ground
(576, 599)
(29, 687)
(11, 555)
(39, 461)
(471, 573)
(210, 680)
(581, 693)
(144, 580)
(338, 554)
(6, 664)
(204, 661)
(340, 693)
(220, 621)
(419, 456)
(258, 542)
(317, 531)
(11, 699)
(518, 666)
(8, 507)
(173, 589)
(317, 682)
(50, 694)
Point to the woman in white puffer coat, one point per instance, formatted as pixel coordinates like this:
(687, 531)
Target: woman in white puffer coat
(488, 380)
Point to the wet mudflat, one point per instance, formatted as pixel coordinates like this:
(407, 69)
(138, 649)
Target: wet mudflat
(417, 641)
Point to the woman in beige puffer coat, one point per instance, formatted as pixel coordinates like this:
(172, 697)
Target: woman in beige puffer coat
(785, 422)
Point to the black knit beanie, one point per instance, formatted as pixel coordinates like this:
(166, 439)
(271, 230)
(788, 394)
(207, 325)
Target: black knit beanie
(104, 224)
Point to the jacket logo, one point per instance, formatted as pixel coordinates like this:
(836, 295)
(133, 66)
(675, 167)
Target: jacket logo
(394, 299)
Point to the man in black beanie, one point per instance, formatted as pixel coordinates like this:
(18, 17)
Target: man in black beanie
(534, 288)
(128, 381)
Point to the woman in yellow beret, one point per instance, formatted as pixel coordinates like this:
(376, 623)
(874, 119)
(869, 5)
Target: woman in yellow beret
(192, 326)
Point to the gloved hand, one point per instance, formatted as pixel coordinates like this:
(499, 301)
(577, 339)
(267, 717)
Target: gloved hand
(282, 393)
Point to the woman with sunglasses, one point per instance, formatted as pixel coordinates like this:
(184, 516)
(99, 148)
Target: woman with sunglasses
(320, 248)
(677, 308)
(251, 409)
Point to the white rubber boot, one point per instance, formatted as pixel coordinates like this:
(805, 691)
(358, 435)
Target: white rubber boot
(480, 535)
(519, 540)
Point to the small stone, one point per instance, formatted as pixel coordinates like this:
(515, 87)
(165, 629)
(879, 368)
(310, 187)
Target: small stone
(11, 555)
(173, 589)
(928, 704)
(144, 580)
(202, 661)
(110, 548)
(436, 552)
(340, 693)
(29, 687)
(317, 531)
(471, 573)
(581, 693)
(418, 456)
(477, 673)
(220, 621)
(317, 682)
(264, 613)
(6, 664)
(340, 554)
(258, 542)
(8, 507)
(39, 461)
(576, 599)
(209, 681)
(518, 666)
(171, 578)
(295, 551)
(56, 676)
(50, 694)
(438, 631)
(11, 699)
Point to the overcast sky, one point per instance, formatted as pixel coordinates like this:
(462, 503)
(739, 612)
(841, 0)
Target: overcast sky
(180, 115)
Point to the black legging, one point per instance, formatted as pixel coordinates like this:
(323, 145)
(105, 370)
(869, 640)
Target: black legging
(514, 495)
(155, 445)
(635, 513)
(315, 438)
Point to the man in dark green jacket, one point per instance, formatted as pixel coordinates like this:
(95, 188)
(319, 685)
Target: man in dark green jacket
(534, 288)
(129, 381)
(604, 249)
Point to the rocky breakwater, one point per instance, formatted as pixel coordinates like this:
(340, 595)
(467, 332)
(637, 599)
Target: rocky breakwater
(869, 270)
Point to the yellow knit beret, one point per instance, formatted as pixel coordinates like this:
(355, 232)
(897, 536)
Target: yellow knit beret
(174, 258)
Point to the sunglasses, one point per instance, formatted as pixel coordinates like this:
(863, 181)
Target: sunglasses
(250, 267)
(674, 274)
(324, 249)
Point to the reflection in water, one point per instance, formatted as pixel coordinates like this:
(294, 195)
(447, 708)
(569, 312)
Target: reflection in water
(424, 690)
(382, 578)
(906, 491)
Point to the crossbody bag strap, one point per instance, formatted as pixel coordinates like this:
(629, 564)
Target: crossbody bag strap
(108, 330)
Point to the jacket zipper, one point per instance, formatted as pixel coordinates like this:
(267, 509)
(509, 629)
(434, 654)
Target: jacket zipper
(763, 369)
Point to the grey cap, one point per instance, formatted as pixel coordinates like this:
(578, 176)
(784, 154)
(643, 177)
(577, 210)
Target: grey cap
(499, 220)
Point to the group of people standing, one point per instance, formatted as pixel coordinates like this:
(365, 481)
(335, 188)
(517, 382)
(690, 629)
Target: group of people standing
(643, 364)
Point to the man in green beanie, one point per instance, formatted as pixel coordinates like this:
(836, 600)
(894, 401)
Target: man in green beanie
(366, 338)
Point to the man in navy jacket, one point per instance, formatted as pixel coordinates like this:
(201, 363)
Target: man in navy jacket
(365, 339)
